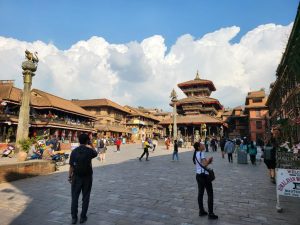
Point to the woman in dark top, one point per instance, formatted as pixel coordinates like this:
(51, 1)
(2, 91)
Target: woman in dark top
(270, 158)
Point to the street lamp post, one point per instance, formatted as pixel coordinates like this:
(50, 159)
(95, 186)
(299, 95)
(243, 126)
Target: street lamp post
(185, 128)
(174, 100)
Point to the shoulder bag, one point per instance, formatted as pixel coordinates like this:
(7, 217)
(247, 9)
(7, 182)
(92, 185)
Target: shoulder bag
(211, 173)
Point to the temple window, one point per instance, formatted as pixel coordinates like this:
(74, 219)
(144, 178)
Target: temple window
(258, 124)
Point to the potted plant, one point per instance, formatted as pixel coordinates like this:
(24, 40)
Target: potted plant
(25, 145)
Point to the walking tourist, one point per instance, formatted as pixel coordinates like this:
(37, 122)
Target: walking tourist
(175, 152)
(81, 176)
(213, 144)
(229, 149)
(118, 144)
(155, 144)
(244, 144)
(238, 146)
(252, 151)
(146, 150)
(101, 149)
(222, 145)
(270, 158)
(259, 146)
(203, 180)
(206, 142)
(167, 143)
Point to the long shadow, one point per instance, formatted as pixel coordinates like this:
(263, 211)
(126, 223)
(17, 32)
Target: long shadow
(156, 192)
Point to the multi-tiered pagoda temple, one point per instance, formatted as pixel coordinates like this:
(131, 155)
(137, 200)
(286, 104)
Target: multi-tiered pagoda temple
(197, 112)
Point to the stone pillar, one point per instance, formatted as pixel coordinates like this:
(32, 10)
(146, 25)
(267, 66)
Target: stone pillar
(23, 123)
(174, 121)
(29, 67)
(174, 100)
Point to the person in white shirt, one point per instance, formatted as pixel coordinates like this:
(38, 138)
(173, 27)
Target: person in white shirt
(203, 181)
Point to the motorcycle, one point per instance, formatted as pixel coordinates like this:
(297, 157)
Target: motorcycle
(60, 158)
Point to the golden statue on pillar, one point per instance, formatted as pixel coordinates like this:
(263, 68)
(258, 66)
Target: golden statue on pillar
(173, 95)
(30, 65)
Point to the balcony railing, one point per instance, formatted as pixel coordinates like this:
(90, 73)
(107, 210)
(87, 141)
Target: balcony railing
(118, 117)
(62, 121)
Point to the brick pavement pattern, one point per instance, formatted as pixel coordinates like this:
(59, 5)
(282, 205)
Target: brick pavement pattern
(129, 192)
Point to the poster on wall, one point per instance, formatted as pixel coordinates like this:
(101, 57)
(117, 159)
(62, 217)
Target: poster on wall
(288, 182)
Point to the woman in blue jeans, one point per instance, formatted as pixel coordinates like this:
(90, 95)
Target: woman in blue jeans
(203, 181)
(175, 153)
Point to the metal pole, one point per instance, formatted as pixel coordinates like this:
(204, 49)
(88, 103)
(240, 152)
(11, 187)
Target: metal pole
(278, 208)
(174, 122)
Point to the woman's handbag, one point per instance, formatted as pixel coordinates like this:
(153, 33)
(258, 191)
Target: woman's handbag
(211, 173)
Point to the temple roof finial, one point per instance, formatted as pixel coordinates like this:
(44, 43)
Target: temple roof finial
(197, 76)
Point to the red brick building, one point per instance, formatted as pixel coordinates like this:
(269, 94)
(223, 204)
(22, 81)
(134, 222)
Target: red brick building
(257, 110)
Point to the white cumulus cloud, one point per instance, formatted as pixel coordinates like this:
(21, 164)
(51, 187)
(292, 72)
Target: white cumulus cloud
(145, 73)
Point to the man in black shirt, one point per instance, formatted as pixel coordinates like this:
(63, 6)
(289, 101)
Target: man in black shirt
(81, 176)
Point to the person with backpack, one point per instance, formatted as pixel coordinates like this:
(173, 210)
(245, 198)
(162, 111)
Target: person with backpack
(269, 154)
(101, 148)
(81, 176)
(252, 151)
(203, 181)
(146, 151)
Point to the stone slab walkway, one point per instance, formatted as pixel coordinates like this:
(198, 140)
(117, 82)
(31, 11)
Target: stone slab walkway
(128, 192)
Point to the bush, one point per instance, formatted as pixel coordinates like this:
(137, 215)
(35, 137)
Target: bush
(26, 144)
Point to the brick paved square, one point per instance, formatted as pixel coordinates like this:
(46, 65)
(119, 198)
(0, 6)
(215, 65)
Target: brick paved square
(126, 191)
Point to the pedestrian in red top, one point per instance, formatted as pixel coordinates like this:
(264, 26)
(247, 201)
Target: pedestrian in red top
(118, 143)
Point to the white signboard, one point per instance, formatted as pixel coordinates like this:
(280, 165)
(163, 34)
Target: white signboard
(288, 182)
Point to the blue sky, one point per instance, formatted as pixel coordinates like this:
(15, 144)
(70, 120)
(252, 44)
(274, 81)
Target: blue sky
(121, 21)
(136, 51)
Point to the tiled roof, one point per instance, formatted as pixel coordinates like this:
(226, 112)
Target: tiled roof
(256, 106)
(227, 113)
(10, 93)
(256, 94)
(100, 102)
(193, 119)
(197, 81)
(200, 99)
(41, 99)
(113, 128)
(136, 112)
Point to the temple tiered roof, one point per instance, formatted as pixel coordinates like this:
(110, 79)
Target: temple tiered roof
(197, 82)
(198, 100)
(193, 120)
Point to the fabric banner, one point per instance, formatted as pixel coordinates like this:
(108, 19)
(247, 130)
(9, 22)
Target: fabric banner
(288, 182)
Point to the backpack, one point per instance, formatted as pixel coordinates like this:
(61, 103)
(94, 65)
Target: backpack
(82, 164)
(269, 153)
(100, 143)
